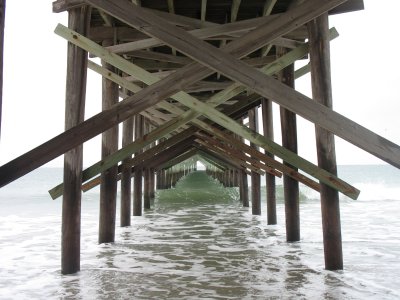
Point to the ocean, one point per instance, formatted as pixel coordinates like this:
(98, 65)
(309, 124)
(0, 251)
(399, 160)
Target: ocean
(198, 242)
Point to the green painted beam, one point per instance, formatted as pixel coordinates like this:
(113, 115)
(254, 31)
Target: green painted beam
(216, 116)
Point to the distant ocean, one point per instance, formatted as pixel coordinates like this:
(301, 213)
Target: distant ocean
(200, 243)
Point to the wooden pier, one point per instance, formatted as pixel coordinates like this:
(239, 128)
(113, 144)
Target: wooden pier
(194, 81)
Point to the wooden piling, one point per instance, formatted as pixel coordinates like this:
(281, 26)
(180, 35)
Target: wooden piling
(244, 184)
(152, 183)
(126, 181)
(137, 189)
(255, 177)
(78, 20)
(147, 188)
(289, 141)
(270, 184)
(322, 92)
(108, 186)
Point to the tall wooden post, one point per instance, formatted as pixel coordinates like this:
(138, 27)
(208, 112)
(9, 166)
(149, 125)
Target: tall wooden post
(289, 141)
(244, 185)
(2, 20)
(322, 92)
(255, 177)
(126, 178)
(137, 190)
(147, 187)
(268, 126)
(152, 184)
(78, 20)
(108, 185)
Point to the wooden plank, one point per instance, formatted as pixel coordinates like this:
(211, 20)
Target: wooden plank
(136, 103)
(234, 29)
(264, 85)
(184, 116)
(231, 151)
(140, 158)
(239, 161)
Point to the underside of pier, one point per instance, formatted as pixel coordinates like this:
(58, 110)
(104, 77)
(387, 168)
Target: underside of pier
(194, 81)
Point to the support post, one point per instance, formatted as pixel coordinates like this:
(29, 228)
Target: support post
(255, 177)
(78, 20)
(137, 190)
(322, 92)
(270, 183)
(244, 184)
(289, 141)
(126, 181)
(147, 187)
(108, 186)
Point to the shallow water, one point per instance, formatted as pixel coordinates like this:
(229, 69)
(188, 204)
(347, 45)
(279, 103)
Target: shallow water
(199, 242)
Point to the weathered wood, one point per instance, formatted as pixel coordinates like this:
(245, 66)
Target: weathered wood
(255, 177)
(203, 10)
(231, 151)
(270, 184)
(147, 187)
(244, 184)
(137, 192)
(108, 186)
(64, 5)
(264, 85)
(213, 114)
(203, 33)
(78, 19)
(238, 160)
(138, 102)
(2, 20)
(126, 182)
(235, 9)
(322, 92)
(289, 141)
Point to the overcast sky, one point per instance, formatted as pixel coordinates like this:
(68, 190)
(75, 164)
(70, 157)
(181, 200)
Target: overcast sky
(365, 75)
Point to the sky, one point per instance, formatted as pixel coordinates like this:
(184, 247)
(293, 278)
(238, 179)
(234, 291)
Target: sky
(365, 79)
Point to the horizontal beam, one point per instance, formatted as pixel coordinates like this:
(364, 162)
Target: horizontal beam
(266, 86)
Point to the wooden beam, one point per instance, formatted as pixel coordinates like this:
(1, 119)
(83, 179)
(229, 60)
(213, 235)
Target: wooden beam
(64, 5)
(268, 127)
(322, 92)
(289, 141)
(184, 116)
(235, 9)
(108, 187)
(126, 182)
(78, 19)
(203, 10)
(238, 160)
(138, 159)
(263, 85)
(144, 99)
(235, 29)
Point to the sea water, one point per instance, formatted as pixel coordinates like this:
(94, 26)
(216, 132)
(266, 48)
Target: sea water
(198, 242)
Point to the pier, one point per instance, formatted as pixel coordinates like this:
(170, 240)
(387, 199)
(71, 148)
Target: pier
(194, 81)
